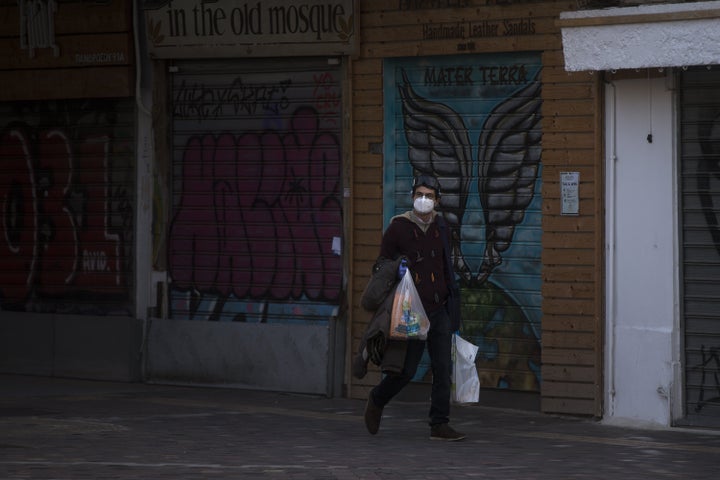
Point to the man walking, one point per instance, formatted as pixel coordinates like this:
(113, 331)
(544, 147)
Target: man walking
(421, 236)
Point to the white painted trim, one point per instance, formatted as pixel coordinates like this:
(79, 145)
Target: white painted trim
(624, 45)
(610, 270)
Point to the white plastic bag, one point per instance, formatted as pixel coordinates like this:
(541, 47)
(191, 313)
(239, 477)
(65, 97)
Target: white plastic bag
(465, 379)
(408, 320)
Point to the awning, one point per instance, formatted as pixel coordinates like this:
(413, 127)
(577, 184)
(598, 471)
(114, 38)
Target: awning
(667, 35)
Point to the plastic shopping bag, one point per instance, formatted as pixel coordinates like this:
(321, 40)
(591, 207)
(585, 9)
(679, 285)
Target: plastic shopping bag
(408, 320)
(465, 379)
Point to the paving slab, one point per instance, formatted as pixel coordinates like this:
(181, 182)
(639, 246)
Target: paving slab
(54, 428)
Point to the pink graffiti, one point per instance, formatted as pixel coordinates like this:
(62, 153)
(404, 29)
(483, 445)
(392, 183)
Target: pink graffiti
(50, 244)
(258, 213)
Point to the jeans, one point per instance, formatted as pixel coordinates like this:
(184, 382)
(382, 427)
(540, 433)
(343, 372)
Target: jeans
(439, 344)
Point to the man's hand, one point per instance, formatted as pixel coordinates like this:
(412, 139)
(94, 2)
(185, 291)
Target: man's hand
(402, 268)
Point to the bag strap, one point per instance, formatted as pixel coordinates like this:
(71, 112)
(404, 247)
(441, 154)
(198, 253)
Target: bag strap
(454, 309)
(445, 235)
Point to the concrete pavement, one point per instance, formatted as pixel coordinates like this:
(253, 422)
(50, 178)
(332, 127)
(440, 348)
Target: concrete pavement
(73, 429)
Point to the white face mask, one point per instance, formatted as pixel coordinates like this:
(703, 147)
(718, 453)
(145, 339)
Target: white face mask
(423, 205)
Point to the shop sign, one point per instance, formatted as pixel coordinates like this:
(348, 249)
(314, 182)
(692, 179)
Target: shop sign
(228, 28)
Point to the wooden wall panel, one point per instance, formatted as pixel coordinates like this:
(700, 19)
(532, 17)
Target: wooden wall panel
(572, 262)
(102, 82)
(572, 245)
(75, 17)
(102, 49)
(90, 53)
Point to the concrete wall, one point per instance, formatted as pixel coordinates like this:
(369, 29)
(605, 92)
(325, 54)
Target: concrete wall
(286, 357)
(641, 245)
(92, 347)
(682, 34)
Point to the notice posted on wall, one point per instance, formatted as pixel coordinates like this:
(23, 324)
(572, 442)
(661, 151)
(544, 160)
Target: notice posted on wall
(570, 193)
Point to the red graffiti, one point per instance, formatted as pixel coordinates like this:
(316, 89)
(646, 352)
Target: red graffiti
(327, 97)
(54, 235)
(19, 217)
(258, 214)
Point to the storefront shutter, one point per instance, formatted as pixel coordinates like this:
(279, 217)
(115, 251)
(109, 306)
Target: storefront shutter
(700, 196)
(256, 228)
(67, 189)
(474, 122)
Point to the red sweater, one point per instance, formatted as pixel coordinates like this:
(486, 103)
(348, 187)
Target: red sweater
(424, 251)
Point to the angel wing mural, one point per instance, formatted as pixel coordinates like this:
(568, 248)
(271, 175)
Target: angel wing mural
(508, 161)
(480, 134)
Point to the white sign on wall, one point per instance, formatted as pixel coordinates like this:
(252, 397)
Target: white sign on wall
(570, 193)
(229, 28)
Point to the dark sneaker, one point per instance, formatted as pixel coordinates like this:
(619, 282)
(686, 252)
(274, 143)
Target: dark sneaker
(373, 414)
(443, 431)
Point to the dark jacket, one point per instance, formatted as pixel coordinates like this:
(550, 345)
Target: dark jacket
(453, 300)
(388, 354)
(383, 280)
(378, 297)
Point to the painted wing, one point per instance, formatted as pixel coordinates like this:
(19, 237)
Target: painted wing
(438, 143)
(509, 159)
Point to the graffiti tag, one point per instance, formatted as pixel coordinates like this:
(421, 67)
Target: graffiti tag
(257, 214)
(55, 234)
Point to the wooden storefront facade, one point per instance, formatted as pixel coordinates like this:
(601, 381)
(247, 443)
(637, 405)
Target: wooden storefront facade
(68, 131)
(488, 40)
(223, 93)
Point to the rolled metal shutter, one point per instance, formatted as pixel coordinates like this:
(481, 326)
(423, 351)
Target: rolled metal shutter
(479, 133)
(256, 230)
(67, 190)
(700, 189)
